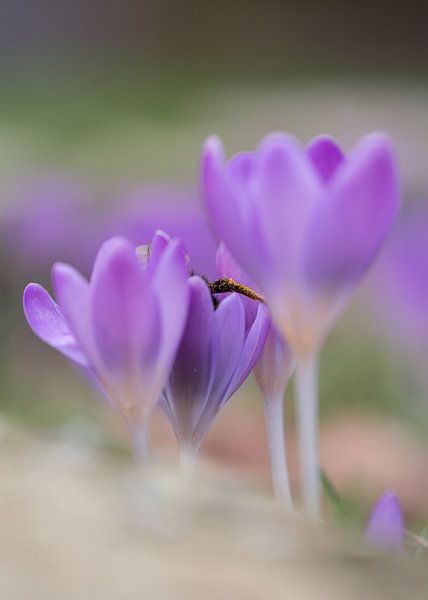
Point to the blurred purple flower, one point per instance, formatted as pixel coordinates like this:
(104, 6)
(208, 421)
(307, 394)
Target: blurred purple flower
(46, 219)
(217, 353)
(272, 371)
(125, 324)
(398, 289)
(52, 217)
(385, 528)
(305, 224)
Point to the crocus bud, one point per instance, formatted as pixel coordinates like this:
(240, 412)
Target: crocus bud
(385, 528)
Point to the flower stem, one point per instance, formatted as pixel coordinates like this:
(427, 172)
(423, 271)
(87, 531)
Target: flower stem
(307, 426)
(274, 416)
(187, 461)
(140, 437)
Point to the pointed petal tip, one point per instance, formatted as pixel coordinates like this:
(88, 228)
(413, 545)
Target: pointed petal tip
(60, 274)
(31, 291)
(277, 140)
(386, 522)
(213, 150)
(325, 154)
(324, 145)
(47, 322)
(160, 233)
(213, 160)
(115, 244)
(377, 145)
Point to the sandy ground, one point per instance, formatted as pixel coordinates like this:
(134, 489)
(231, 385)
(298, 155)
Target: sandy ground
(77, 524)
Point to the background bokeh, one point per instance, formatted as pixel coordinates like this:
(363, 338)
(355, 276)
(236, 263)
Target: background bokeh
(103, 109)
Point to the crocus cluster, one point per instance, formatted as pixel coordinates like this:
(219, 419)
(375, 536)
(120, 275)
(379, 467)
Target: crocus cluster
(149, 332)
(297, 227)
(305, 224)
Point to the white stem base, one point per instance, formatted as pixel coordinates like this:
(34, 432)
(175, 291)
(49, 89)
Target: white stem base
(140, 436)
(307, 427)
(274, 416)
(187, 461)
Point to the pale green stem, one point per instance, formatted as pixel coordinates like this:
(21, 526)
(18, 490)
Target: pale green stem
(274, 416)
(308, 431)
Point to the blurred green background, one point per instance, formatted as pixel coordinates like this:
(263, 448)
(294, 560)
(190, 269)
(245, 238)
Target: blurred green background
(118, 94)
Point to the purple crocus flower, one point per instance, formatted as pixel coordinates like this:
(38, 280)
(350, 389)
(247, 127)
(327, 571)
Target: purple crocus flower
(305, 224)
(385, 528)
(272, 371)
(218, 350)
(47, 219)
(125, 324)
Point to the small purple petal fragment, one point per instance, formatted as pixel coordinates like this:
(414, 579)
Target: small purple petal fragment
(386, 527)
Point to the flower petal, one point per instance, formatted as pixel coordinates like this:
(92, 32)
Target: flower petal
(123, 311)
(325, 155)
(72, 293)
(385, 528)
(191, 376)
(289, 190)
(351, 223)
(157, 246)
(252, 349)
(172, 292)
(226, 190)
(229, 336)
(228, 267)
(275, 363)
(47, 321)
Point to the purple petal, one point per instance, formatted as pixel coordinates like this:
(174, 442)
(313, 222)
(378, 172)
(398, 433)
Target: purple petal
(190, 380)
(229, 337)
(243, 167)
(225, 191)
(124, 311)
(158, 245)
(325, 155)
(288, 191)
(252, 349)
(47, 321)
(172, 292)
(72, 293)
(228, 341)
(228, 267)
(386, 528)
(275, 363)
(352, 222)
